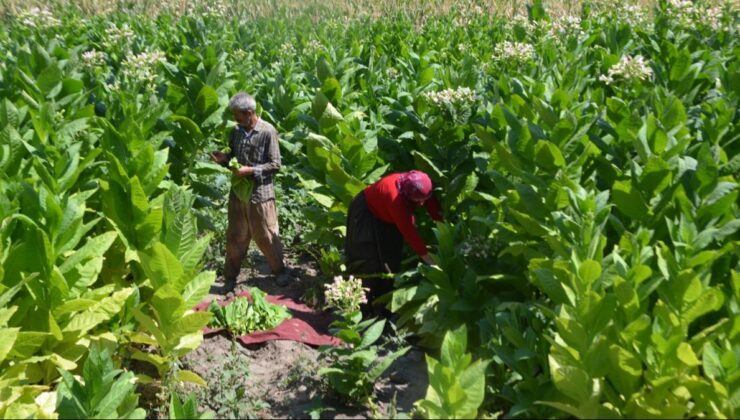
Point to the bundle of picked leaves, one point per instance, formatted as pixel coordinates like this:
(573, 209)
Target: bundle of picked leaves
(243, 317)
(242, 186)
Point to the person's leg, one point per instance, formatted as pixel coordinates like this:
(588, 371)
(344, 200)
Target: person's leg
(360, 244)
(263, 224)
(389, 253)
(237, 240)
(392, 247)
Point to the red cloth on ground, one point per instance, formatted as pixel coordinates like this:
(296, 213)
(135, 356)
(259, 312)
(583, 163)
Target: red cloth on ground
(387, 204)
(306, 326)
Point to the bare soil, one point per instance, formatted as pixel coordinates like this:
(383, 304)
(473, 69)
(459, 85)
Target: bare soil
(279, 378)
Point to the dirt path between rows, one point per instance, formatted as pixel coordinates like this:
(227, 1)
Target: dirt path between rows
(278, 379)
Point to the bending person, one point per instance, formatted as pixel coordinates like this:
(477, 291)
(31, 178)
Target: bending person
(380, 218)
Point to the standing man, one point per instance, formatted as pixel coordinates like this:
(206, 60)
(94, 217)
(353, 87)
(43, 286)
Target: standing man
(254, 143)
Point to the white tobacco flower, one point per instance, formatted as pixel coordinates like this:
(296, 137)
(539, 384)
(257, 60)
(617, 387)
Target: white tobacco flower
(566, 25)
(287, 48)
(628, 68)
(391, 72)
(690, 15)
(711, 17)
(36, 17)
(215, 9)
(314, 46)
(518, 52)
(462, 96)
(523, 22)
(116, 36)
(239, 55)
(142, 67)
(633, 14)
(345, 295)
(92, 59)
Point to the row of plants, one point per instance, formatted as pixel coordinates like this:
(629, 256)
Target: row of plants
(587, 167)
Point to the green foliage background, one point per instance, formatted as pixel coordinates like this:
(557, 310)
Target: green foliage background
(591, 245)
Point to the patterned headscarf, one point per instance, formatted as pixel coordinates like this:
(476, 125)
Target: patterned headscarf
(414, 186)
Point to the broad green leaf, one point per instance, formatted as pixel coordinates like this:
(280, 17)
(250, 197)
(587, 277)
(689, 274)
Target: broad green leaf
(453, 347)
(49, 79)
(206, 102)
(188, 324)
(570, 380)
(709, 301)
(548, 156)
(473, 381)
(426, 165)
(27, 343)
(197, 289)
(117, 393)
(372, 334)
(589, 271)
(626, 370)
(426, 76)
(376, 371)
(188, 343)
(629, 201)
(190, 377)
(332, 89)
(323, 70)
(160, 266)
(711, 363)
(686, 354)
(322, 199)
(9, 336)
(95, 246)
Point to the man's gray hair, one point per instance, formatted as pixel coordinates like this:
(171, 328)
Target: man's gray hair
(242, 102)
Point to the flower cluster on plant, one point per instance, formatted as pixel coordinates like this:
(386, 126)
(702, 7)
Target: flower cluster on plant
(92, 59)
(142, 67)
(518, 52)
(115, 36)
(689, 14)
(628, 68)
(239, 55)
(468, 14)
(37, 17)
(461, 96)
(287, 48)
(566, 25)
(314, 46)
(476, 246)
(345, 296)
(632, 14)
(215, 9)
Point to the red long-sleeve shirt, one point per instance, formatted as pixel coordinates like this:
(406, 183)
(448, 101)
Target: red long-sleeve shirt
(387, 204)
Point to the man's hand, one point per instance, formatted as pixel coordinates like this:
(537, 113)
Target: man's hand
(220, 158)
(243, 171)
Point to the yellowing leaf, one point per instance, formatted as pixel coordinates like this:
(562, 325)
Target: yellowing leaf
(191, 377)
(589, 271)
(9, 336)
(686, 354)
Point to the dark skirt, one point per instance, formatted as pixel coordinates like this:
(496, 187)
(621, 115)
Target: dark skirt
(371, 246)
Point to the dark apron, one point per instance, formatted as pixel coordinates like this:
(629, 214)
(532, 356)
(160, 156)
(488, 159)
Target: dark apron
(371, 246)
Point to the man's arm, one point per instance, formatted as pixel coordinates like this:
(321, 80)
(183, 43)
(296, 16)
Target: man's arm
(224, 158)
(273, 158)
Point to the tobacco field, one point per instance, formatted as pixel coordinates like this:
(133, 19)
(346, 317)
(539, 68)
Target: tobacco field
(587, 160)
